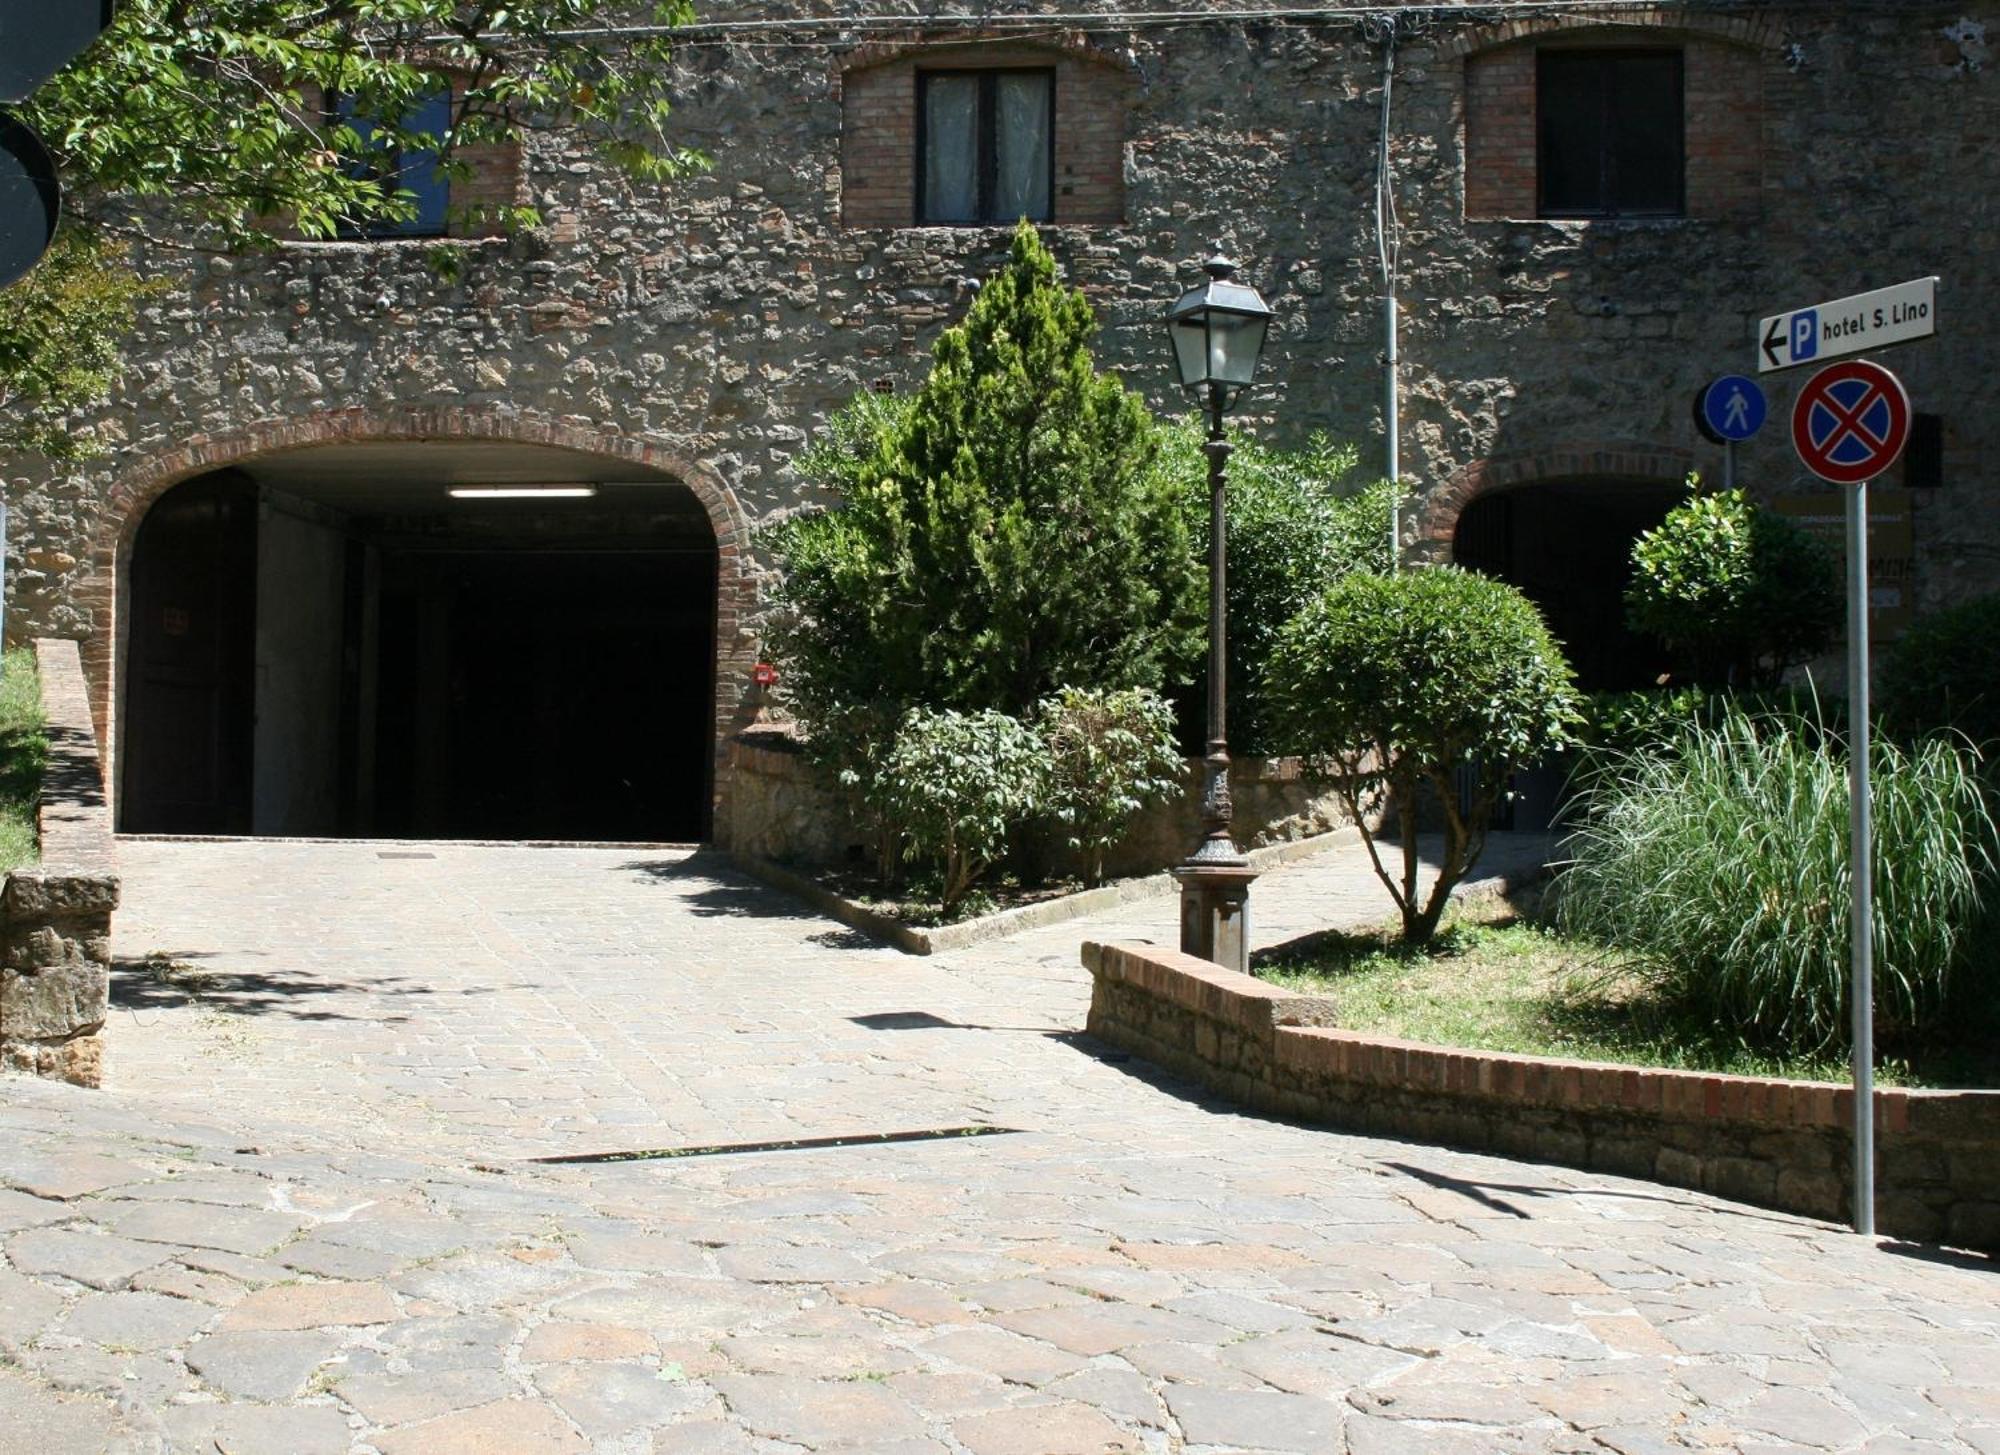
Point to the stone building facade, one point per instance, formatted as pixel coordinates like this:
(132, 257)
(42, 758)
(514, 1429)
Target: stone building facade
(676, 346)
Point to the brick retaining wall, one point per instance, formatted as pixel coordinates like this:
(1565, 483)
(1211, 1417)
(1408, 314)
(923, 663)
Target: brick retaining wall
(1781, 1144)
(55, 916)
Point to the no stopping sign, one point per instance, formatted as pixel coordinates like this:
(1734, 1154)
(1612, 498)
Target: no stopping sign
(1851, 422)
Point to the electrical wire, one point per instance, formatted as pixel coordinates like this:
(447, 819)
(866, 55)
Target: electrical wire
(716, 31)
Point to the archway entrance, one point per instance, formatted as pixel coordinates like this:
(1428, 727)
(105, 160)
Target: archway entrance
(1567, 544)
(436, 640)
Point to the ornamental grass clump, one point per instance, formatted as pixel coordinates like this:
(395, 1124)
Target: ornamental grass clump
(1718, 865)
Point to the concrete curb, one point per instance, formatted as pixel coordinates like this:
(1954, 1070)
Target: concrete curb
(938, 940)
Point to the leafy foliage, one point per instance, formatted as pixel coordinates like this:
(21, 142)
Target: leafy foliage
(1617, 724)
(1109, 755)
(1739, 591)
(1945, 674)
(1295, 520)
(213, 114)
(207, 124)
(1719, 863)
(59, 332)
(1002, 533)
(1399, 682)
(955, 785)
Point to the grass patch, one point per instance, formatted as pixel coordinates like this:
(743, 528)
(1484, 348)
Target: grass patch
(1495, 980)
(24, 754)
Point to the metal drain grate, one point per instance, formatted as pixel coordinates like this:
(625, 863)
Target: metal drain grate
(404, 854)
(798, 1144)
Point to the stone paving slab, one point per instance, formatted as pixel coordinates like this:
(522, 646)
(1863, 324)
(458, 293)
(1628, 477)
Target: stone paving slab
(1134, 1269)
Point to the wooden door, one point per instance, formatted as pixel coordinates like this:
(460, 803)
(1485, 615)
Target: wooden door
(190, 663)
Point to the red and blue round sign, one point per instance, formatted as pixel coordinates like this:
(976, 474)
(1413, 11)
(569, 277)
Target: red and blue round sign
(1851, 421)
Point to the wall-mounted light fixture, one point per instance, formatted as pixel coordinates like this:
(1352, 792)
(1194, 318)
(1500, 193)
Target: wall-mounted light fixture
(523, 492)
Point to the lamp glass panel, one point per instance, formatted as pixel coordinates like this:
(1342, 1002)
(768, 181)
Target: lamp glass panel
(1190, 350)
(1234, 341)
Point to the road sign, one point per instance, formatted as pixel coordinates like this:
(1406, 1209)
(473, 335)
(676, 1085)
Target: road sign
(42, 37)
(30, 201)
(1729, 409)
(1851, 421)
(1847, 325)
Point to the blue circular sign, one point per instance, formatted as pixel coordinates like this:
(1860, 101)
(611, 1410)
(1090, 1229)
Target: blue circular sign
(1732, 408)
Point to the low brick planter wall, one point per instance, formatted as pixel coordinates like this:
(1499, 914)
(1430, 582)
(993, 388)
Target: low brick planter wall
(1781, 1144)
(55, 916)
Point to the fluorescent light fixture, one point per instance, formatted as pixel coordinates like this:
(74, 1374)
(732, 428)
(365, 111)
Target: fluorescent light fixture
(523, 492)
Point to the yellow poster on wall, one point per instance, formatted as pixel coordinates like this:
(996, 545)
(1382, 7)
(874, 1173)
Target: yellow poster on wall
(1891, 548)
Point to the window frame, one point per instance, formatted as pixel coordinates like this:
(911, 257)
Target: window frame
(1610, 211)
(986, 143)
(340, 111)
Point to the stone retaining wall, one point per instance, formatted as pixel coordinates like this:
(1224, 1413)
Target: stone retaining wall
(781, 812)
(55, 916)
(1781, 1144)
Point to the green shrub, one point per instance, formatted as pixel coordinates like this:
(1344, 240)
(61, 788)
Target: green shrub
(1738, 592)
(1002, 533)
(1618, 724)
(1720, 865)
(1295, 522)
(1945, 674)
(1109, 755)
(24, 754)
(955, 785)
(1399, 682)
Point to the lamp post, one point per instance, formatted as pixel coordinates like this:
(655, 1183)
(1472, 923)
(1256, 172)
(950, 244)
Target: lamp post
(1217, 331)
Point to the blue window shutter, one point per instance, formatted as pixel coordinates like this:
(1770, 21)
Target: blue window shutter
(419, 172)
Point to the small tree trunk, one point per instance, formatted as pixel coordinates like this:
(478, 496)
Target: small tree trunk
(1405, 792)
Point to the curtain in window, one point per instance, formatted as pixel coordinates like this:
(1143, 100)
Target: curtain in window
(951, 149)
(1021, 145)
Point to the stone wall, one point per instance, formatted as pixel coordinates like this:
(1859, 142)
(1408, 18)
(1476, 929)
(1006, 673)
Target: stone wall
(1781, 1144)
(710, 326)
(781, 812)
(55, 917)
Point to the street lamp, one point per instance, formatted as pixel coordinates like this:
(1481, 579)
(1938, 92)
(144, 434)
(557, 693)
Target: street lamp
(1218, 332)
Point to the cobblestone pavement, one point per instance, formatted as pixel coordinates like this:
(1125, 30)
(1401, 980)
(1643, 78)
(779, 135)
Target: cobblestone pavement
(303, 1218)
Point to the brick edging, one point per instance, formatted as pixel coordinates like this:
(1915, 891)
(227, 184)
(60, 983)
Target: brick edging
(1772, 1141)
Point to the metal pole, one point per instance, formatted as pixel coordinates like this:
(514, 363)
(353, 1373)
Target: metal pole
(1391, 409)
(1217, 809)
(1861, 860)
(1729, 465)
(1215, 878)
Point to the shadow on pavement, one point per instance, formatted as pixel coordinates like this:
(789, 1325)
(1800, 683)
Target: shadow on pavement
(1481, 1193)
(1944, 1257)
(178, 980)
(923, 1020)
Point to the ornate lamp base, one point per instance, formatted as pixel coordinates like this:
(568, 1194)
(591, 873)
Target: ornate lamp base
(1215, 909)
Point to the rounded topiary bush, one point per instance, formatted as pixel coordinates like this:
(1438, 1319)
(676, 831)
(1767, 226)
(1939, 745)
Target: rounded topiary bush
(1945, 674)
(1403, 681)
(1736, 591)
(1718, 865)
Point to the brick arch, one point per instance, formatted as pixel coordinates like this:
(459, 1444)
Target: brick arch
(1757, 32)
(917, 44)
(136, 491)
(1637, 463)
